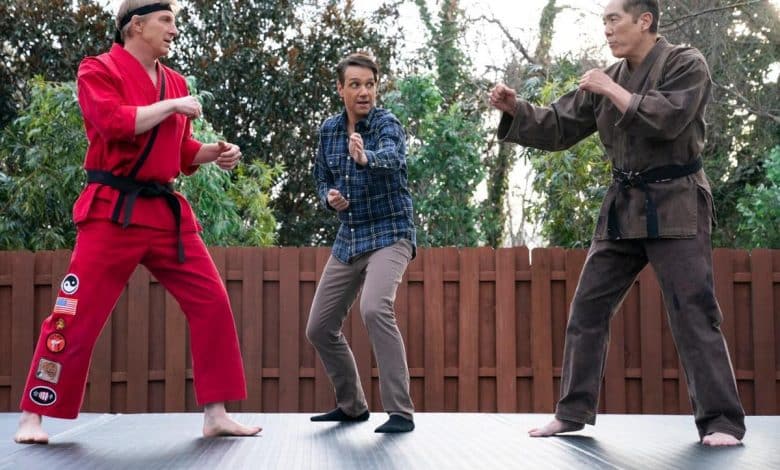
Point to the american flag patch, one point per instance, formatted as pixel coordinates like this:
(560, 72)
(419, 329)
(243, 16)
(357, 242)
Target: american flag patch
(65, 305)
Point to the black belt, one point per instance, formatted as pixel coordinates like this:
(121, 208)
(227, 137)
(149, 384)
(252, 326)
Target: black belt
(640, 180)
(130, 189)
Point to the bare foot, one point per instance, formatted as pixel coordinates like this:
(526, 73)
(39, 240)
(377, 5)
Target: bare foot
(718, 439)
(30, 430)
(556, 426)
(216, 422)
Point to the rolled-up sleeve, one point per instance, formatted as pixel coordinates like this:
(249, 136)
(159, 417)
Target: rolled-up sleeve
(101, 103)
(189, 149)
(665, 112)
(556, 127)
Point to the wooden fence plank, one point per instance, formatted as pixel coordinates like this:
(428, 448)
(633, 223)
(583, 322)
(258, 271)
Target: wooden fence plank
(506, 341)
(483, 351)
(289, 329)
(23, 338)
(324, 398)
(434, 330)
(175, 356)
(652, 364)
(468, 331)
(764, 341)
(252, 326)
(138, 341)
(541, 335)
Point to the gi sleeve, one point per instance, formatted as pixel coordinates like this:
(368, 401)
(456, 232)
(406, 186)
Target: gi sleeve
(102, 103)
(664, 113)
(189, 149)
(388, 156)
(556, 127)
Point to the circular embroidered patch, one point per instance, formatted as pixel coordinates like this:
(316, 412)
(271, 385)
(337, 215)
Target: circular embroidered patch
(55, 342)
(43, 396)
(70, 284)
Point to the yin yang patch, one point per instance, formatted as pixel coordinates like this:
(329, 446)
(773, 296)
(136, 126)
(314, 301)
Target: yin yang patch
(70, 284)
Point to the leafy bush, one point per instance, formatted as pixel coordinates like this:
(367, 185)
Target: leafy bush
(760, 208)
(41, 175)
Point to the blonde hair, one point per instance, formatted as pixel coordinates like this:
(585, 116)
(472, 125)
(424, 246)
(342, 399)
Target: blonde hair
(130, 5)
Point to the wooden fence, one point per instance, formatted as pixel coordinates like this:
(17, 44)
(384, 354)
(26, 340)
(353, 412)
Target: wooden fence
(483, 328)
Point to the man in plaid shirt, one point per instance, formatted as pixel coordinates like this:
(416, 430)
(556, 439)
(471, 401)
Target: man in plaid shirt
(360, 172)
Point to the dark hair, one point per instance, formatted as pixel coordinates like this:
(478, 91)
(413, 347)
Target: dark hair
(637, 7)
(358, 59)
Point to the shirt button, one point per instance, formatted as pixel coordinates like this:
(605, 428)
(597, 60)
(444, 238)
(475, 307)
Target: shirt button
(353, 229)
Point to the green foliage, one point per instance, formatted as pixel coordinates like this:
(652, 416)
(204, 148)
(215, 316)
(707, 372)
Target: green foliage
(47, 38)
(760, 208)
(41, 153)
(271, 68)
(443, 161)
(571, 183)
(232, 209)
(742, 47)
(443, 114)
(41, 175)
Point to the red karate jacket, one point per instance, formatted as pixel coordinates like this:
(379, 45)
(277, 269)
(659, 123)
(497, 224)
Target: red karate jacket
(110, 89)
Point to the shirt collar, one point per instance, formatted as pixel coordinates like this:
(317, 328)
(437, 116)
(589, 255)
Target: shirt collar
(363, 124)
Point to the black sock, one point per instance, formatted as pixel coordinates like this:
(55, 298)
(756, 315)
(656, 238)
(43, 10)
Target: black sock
(338, 415)
(396, 423)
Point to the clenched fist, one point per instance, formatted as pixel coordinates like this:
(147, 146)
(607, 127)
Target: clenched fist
(503, 99)
(336, 200)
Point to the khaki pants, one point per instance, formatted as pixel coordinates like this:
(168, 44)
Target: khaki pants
(684, 270)
(379, 274)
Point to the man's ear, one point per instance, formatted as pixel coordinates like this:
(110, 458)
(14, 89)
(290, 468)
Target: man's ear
(645, 20)
(340, 88)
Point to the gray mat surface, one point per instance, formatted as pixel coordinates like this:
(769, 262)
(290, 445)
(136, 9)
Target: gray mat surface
(441, 441)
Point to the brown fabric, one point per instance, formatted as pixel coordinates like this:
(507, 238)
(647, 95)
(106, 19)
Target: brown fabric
(684, 270)
(663, 125)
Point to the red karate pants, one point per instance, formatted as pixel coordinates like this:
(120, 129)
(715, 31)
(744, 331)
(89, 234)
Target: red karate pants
(103, 259)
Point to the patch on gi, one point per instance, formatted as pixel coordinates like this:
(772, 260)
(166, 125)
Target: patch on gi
(43, 396)
(55, 342)
(70, 284)
(65, 305)
(48, 371)
(59, 324)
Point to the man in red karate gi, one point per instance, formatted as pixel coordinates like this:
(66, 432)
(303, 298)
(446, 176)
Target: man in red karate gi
(137, 116)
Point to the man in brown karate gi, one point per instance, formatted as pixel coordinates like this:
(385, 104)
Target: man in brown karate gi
(649, 112)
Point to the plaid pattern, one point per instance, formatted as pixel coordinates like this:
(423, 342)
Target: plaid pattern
(380, 205)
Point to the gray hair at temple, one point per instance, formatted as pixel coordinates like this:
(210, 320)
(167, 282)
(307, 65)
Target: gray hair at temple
(637, 7)
(128, 6)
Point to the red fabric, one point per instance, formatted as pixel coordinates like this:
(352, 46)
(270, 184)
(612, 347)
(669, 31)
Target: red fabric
(103, 259)
(110, 88)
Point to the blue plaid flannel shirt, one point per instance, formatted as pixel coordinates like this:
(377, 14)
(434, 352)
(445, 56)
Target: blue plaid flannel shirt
(380, 205)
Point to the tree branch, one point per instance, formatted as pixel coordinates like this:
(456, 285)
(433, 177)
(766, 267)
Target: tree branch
(747, 104)
(667, 25)
(517, 44)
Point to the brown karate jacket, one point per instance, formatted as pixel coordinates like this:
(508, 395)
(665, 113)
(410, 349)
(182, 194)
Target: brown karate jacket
(663, 125)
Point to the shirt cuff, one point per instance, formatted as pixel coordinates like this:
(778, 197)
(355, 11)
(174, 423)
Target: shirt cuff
(505, 126)
(122, 124)
(628, 116)
(189, 149)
